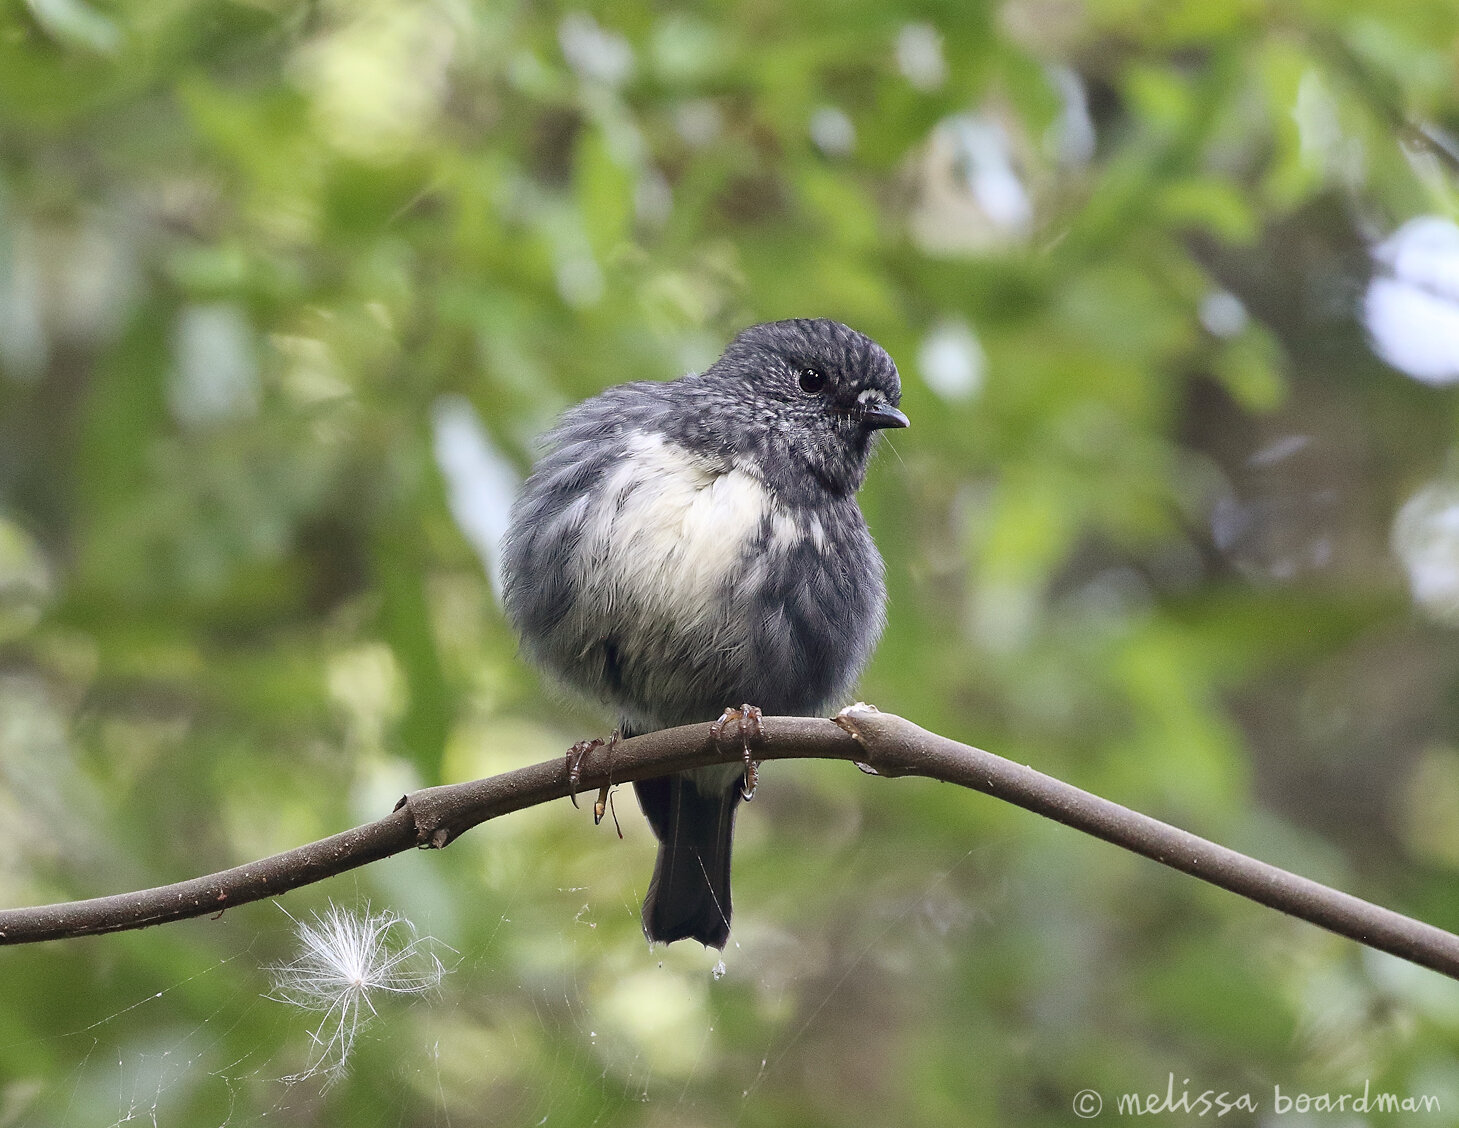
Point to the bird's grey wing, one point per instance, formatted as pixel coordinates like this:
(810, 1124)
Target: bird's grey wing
(542, 591)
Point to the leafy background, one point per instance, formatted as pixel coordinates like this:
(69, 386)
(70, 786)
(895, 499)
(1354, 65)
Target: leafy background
(286, 292)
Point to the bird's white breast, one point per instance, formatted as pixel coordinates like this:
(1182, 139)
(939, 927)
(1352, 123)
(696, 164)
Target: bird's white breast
(664, 532)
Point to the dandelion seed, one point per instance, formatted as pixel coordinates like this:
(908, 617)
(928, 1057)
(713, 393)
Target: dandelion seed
(346, 959)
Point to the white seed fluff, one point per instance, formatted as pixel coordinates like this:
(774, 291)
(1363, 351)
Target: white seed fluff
(346, 958)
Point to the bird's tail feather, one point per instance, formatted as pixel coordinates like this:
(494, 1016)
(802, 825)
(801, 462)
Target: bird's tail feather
(689, 896)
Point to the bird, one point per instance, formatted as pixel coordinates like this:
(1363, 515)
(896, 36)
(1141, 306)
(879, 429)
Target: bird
(683, 545)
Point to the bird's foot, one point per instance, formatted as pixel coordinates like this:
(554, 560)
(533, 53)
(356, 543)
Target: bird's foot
(578, 753)
(601, 806)
(752, 731)
(575, 756)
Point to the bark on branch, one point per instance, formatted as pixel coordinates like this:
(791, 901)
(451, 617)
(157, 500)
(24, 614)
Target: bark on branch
(881, 742)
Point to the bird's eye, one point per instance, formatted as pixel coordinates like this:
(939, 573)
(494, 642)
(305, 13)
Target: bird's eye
(811, 380)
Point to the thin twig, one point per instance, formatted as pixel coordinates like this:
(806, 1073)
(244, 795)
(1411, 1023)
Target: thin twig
(881, 742)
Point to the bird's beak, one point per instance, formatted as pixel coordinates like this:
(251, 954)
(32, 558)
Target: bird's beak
(878, 416)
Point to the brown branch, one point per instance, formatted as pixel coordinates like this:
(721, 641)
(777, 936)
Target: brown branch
(881, 742)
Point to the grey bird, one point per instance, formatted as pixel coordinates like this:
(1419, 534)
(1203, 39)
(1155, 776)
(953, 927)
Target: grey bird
(684, 546)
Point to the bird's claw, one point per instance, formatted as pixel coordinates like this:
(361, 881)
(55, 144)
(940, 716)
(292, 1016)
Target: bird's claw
(751, 781)
(575, 757)
(604, 806)
(752, 731)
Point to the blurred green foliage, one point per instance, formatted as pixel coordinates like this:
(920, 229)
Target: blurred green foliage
(266, 268)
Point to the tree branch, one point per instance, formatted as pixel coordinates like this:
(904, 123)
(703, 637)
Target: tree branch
(880, 742)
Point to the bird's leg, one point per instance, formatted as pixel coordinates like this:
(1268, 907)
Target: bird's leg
(601, 806)
(751, 732)
(575, 756)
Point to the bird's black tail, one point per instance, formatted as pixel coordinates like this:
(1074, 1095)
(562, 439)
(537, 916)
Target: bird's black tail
(689, 896)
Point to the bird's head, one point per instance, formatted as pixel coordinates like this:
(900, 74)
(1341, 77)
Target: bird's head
(810, 395)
